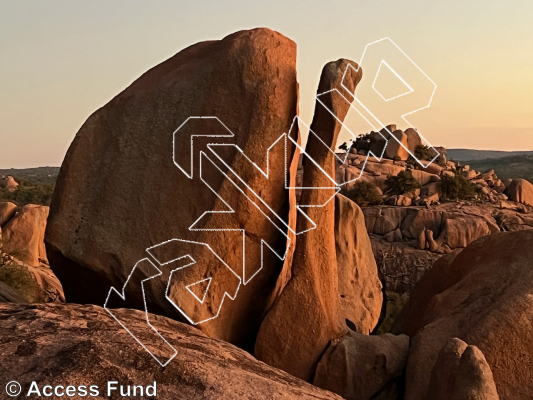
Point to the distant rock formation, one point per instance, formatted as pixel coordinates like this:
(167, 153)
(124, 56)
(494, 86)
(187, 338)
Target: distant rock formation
(23, 235)
(521, 191)
(360, 291)
(10, 295)
(9, 183)
(83, 345)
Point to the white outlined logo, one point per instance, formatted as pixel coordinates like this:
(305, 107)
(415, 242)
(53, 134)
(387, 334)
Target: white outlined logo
(13, 389)
(368, 103)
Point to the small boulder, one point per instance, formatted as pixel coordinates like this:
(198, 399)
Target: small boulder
(421, 176)
(483, 296)
(461, 373)
(469, 174)
(433, 168)
(413, 139)
(23, 235)
(404, 200)
(359, 367)
(397, 145)
(394, 236)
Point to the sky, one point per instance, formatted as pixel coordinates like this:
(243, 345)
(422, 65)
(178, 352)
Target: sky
(60, 60)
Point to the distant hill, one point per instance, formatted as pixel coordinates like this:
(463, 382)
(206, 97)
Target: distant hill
(515, 166)
(41, 175)
(469, 154)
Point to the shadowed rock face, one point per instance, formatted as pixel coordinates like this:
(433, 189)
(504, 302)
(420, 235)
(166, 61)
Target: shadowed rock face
(77, 345)
(360, 291)
(484, 297)
(305, 317)
(104, 216)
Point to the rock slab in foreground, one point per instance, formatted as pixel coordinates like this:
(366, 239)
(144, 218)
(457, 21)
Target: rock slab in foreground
(81, 345)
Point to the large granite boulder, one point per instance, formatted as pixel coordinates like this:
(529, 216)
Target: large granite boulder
(10, 295)
(363, 367)
(521, 191)
(382, 168)
(82, 345)
(483, 297)
(103, 218)
(305, 317)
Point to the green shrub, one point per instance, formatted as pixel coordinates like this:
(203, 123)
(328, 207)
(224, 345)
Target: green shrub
(28, 193)
(19, 278)
(363, 194)
(401, 183)
(458, 187)
(396, 158)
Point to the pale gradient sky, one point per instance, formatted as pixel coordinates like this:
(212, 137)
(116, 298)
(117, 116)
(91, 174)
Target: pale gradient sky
(61, 60)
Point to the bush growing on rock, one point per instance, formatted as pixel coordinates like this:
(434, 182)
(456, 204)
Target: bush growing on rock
(401, 183)
(363, 194)
(458, 187)
(421, 153)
